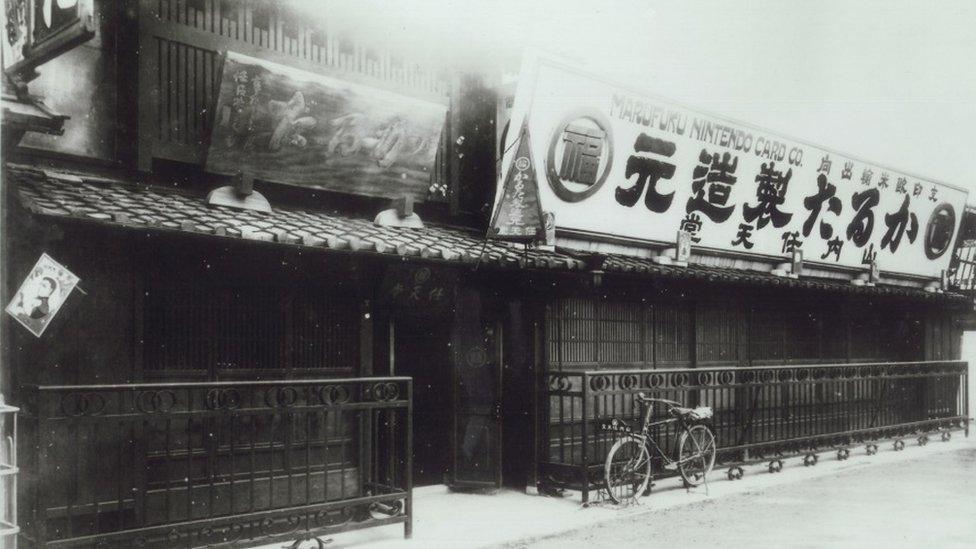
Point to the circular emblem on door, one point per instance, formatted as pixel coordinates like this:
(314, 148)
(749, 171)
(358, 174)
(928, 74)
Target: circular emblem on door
(940, 230)
(477, 357)
(580, 155)
(421, 275)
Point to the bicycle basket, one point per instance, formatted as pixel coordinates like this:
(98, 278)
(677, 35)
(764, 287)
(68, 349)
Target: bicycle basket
(701, 413)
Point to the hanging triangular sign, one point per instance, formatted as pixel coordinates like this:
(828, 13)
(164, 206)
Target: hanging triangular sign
(518, 216)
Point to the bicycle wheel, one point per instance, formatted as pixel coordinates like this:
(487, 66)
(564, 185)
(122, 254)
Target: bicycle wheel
(696, 454)
(627, 470)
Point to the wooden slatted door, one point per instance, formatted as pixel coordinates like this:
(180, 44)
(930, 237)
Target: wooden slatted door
(477, 413)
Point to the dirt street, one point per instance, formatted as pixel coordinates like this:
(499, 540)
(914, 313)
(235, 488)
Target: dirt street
(927, 502)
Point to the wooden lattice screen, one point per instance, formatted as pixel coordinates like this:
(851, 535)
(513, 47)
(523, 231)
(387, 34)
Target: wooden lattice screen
(585, 333)
(249, 332)
(963, 278)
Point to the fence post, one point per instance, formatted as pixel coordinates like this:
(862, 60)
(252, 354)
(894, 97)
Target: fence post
(408, 473)
(583, 452)
(967, 375)
(39, 463)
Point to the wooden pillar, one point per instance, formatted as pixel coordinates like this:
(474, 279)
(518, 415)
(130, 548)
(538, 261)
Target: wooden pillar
(148, 109)
(366, 338)
(540, 412)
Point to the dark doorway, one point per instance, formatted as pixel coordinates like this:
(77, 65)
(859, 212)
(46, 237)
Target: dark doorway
(518, 384)
(422, 351)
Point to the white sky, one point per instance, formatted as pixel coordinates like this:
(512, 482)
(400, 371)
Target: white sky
(890, 81)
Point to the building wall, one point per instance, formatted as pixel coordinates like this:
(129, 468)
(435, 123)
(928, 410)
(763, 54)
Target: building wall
(156, 307)
(91, 340)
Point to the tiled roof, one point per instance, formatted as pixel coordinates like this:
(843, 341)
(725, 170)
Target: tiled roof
(133, 205)
(96, 198)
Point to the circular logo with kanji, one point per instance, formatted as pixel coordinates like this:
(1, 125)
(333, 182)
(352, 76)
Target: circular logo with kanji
(521, 163)
(939, 232)
(580, 155)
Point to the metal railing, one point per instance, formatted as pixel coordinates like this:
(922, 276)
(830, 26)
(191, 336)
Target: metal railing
(759, 411)
(228, 463)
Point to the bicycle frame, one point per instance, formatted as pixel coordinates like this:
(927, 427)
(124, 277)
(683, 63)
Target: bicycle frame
(649, 441)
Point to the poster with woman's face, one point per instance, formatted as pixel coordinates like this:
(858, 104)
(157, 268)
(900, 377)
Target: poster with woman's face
(41, 294)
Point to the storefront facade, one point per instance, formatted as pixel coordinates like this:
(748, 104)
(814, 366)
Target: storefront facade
(237, 364)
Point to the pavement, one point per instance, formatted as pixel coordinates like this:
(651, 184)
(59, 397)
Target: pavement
(849, 502)
(927, 501)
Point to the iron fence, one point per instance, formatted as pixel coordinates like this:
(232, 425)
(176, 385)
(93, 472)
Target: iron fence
(216, 464)
(760, 412)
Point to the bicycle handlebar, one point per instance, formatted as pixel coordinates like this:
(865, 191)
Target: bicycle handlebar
(644, 398)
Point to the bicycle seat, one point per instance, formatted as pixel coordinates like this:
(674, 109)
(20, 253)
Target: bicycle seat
(681, 411)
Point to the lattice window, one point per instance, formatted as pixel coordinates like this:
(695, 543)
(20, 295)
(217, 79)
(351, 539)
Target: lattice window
(717, 333)
(834, 338)
(766, 335)
(963, 275)
(672, 334)
(801, 334)
(621, 326)
(595, 332)
(261, 17)
(866, 339)
(573, 330)
(249, 328)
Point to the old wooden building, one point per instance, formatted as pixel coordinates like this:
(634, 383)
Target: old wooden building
(279, 326)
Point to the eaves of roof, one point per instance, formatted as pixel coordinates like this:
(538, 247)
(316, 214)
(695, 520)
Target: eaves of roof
(134, 205)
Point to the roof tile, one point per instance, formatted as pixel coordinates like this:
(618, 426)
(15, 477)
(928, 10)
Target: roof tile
(127, 204)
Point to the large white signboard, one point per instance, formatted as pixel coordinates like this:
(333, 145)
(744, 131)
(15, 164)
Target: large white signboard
(615, 162)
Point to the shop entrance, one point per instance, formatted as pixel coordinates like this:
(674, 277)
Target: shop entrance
(421, 350)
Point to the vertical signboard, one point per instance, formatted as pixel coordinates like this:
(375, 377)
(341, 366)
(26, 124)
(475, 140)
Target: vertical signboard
(616, 163)
(518, 215)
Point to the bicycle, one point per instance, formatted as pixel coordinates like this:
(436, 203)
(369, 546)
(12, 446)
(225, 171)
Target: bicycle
(627, 471)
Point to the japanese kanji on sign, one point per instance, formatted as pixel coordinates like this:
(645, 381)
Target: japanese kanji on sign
(518, 215)
(619, 163)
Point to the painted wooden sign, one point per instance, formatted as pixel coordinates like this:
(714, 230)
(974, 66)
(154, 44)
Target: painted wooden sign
(286, 125)
(418, 287)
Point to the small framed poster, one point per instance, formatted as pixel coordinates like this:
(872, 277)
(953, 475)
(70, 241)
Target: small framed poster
(42, 294)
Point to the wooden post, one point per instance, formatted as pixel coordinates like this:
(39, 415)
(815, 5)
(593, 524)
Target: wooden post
(366, 419)
(366, 338)
(538, 377)
(451, 148)
(148, 55)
